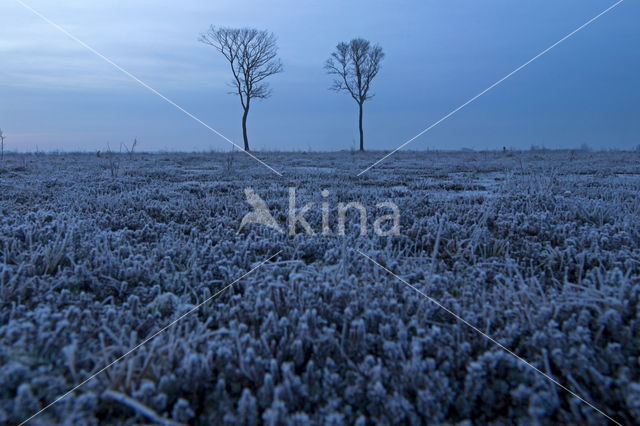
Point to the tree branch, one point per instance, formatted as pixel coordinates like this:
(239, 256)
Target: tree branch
(355, 65)
(252, 56)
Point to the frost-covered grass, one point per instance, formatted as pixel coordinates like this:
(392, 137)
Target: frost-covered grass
(540, 250)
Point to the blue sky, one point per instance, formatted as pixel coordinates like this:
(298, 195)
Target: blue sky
(54, 94)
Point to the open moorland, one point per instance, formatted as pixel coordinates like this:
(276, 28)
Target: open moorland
(539, 250)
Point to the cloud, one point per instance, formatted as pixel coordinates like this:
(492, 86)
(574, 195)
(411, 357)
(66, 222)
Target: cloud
(37, 55)
(438, 55)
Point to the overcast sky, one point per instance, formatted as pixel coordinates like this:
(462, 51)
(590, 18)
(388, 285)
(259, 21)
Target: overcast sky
(54, 94)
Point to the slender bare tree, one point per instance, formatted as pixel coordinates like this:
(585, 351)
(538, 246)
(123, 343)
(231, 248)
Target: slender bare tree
(253, 56)
(355, 64)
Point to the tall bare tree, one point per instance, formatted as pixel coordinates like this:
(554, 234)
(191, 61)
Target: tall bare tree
(253, 56)
(355, 64)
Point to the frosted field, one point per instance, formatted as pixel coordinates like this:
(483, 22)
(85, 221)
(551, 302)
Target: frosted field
(540, 250)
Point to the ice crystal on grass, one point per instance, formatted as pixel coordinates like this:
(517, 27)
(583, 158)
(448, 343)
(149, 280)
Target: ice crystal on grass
(539, 250)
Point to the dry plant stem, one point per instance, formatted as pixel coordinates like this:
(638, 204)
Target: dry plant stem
(139, 408)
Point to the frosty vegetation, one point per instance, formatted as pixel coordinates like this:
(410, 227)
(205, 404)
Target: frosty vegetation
(540, 250)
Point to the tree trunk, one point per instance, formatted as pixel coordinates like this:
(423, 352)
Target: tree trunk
(244, 128)
(360, 125)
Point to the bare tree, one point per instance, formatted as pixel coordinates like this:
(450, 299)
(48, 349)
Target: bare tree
(355, 64)
(1, 145)
(252, 55)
